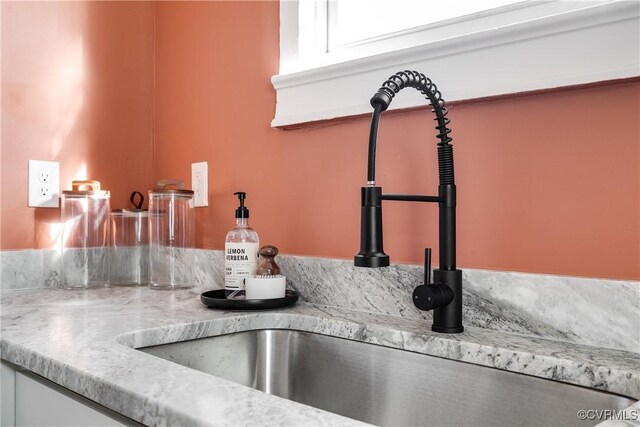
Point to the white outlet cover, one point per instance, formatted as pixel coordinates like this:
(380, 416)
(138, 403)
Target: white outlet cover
(200, 184)
(44, 184)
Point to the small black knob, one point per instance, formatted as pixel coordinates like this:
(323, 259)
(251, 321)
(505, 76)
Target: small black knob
(428, 297)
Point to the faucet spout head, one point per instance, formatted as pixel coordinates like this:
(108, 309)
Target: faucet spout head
(371, 261)
(371, 250)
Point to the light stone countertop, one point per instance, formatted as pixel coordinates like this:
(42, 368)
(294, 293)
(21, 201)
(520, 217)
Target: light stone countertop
(86, 340)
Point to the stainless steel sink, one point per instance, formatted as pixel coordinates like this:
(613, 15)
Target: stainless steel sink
(384, 386)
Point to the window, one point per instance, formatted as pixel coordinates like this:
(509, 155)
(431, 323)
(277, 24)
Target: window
(335, 53)
(352, 22)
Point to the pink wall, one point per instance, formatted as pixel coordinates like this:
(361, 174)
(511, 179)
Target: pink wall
(77, 87)
(547, 183)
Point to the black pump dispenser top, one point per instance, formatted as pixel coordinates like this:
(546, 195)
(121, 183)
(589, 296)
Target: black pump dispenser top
(241, 212)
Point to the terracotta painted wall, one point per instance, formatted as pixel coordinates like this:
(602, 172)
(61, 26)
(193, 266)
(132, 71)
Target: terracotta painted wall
(547, 183)
(77, 87)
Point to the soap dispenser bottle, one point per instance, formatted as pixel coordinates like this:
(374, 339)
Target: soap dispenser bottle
(240, 252)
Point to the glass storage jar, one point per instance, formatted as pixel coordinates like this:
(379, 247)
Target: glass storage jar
(85, 237)
(130, 241)
(171, 235)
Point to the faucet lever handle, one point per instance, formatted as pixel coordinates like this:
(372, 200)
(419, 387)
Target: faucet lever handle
(427, 266)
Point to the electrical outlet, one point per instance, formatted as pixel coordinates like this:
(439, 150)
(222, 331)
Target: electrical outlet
(44, 184)
(200, 184)
(43, 176)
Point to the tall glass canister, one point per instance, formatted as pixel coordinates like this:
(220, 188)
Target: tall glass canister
(130, 241)
(85, 237)
(171, 236)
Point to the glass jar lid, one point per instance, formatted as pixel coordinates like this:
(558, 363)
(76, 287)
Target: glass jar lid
(126, 213)
(87, 187)
(164, 186)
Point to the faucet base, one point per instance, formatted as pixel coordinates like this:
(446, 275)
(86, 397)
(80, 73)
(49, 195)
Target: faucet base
(445, 330)
(447, 319)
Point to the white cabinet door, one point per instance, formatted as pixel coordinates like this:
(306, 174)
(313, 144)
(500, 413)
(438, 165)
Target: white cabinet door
(40, 402)
(7, 394)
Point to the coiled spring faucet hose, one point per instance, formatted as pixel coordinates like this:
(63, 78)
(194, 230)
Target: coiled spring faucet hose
(380, 102)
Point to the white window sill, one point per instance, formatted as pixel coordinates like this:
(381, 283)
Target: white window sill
(583, 46)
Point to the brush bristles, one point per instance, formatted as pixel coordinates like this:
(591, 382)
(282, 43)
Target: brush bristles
(267, 276)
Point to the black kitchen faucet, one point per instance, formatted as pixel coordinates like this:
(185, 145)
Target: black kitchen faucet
(444, 295)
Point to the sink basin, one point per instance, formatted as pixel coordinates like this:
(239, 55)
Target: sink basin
(382, 385)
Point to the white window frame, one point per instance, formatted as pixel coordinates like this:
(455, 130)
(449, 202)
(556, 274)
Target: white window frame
(522, 47)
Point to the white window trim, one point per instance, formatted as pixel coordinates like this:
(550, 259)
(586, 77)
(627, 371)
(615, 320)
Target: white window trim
(589, 44)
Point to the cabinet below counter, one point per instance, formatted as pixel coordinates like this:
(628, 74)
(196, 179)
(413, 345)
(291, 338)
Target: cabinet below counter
(30, 400)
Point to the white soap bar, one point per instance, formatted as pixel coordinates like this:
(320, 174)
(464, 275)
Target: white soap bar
(265, 287)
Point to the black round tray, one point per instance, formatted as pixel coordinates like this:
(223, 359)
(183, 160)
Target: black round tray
(216, 299)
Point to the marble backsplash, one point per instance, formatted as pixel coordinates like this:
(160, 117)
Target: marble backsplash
(28, 269)
(598, 312)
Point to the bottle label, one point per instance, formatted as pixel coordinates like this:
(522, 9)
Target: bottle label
(240, 261)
